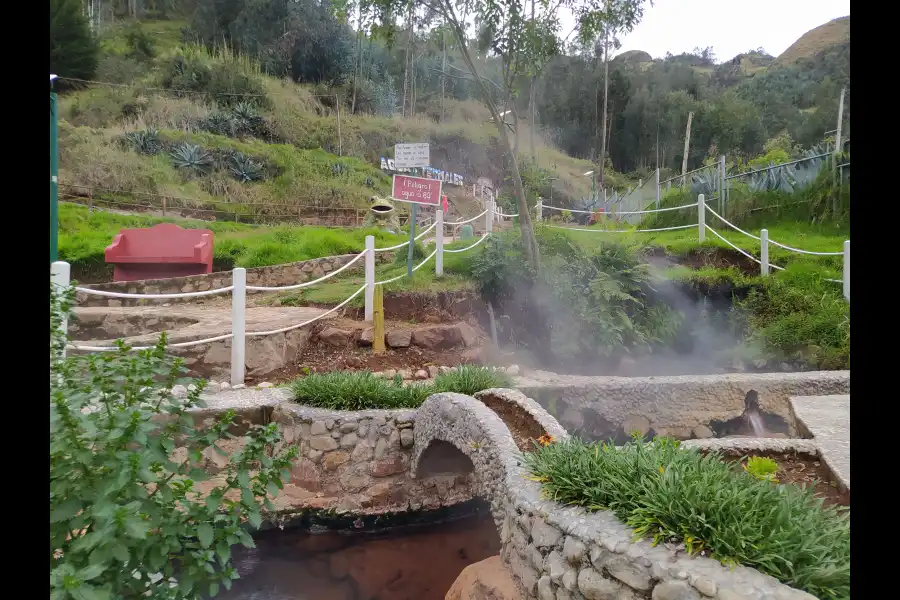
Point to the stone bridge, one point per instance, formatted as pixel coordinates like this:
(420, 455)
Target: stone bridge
(558, 552)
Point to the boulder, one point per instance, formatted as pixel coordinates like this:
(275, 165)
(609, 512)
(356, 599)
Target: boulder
(438, 337)
(367, 337)
(335, 337)
(398, 338)
(485, 580)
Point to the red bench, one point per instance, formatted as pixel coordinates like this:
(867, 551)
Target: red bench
(160, 252)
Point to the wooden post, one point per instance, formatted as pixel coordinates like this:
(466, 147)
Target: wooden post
(337, 102)
(164, 206)
(90, 200)
(378, 321)
(687, 143)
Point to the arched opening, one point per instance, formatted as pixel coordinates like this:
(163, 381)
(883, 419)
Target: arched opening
(443, 458)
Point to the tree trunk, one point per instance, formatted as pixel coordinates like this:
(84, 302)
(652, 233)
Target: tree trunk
(406, 68)
(525, 224)
(531, 101)
(357, 69)
(605, 99)
(443, 70)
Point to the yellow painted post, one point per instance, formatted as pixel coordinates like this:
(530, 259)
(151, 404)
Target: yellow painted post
(378, 320)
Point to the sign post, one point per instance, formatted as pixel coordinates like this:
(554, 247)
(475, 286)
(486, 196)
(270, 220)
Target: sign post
(415, 190)
(409, 156)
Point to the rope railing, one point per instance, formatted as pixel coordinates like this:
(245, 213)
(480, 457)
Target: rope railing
(691, 226)
(481, 239)
(60, 278)
(621, 212)
(476, 217)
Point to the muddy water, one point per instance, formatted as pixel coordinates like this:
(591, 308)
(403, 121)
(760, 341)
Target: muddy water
(417, 563)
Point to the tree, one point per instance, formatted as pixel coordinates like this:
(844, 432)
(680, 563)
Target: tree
(616, 18)
(73, 50)
(514, 42)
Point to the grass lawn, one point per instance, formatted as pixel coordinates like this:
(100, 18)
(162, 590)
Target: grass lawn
(84, 235)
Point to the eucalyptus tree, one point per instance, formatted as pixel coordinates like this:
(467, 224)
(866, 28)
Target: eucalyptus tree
(522, 44)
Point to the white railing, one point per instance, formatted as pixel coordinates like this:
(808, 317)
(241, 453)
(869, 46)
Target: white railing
(702, 227)
(60, 277)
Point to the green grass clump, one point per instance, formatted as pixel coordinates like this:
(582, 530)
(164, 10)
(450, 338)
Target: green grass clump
(799, 316)
(666, 492)
(360, 391)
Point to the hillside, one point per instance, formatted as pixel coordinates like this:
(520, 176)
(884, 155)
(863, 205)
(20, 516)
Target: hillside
(815, 41)
(212, 131)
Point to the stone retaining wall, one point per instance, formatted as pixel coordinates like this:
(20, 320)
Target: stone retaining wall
(356, 462)
(682, 407)
(273, 276)
(558, 552)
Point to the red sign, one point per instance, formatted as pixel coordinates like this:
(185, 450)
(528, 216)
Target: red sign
(417, 190)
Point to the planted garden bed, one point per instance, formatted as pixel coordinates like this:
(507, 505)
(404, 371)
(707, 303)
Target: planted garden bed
(674, 495)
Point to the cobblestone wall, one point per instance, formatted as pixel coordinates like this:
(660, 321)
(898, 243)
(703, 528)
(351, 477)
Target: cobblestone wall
(558, 552)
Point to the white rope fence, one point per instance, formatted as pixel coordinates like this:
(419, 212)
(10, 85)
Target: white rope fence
(60, 278)
(703, 227)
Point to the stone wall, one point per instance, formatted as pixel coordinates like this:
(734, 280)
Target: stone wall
(558, 552)
(273, 276)
(356, 462)
(682, 407)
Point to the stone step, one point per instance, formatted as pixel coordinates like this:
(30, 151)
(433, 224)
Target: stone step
(827, 420)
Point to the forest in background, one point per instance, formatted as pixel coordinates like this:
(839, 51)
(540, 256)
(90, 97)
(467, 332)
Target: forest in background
(335, 46)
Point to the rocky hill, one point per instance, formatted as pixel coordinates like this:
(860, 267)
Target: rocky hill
(816, 41)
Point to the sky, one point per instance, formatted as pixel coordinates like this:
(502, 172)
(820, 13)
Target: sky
(729, 26)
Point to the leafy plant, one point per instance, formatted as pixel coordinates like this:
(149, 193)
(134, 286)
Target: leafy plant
(669, 493)
(144, 142)
(762, 468)
(245, 168)
(128, 516)
(192, 157)
(247, 119)
(338, 169)
(140, 43)
(218, 123)
(361, 390)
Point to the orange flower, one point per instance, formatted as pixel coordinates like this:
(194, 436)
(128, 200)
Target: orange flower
(546, 440)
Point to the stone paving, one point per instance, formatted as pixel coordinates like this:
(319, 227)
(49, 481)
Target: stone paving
(827, 420)
(205, 321)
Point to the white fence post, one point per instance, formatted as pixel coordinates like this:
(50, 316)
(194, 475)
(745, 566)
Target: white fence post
(764, 251)
(539, 209)
(489, 216)
(238, 324)
(60, 277)
(701, 217)
(439, 242)
(847, 270)
(370, 277)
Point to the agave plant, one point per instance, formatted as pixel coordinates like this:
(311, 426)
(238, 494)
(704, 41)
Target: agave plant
(191, 157)
(144, 142)
(245, 168)
(218, 123)
(338, 168)
(247, 119)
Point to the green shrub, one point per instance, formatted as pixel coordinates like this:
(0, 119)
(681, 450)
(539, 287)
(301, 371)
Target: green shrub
(468, 379)
(798, 316)
(222, 76)
(666, 492)
(338, 390)
(126, 519)
(584, 304)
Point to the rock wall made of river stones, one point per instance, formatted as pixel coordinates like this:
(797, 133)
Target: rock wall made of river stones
(558, 552)
(272, 276)
(682, 407)
(352, 462)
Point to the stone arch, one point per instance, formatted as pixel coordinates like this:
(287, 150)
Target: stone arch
(440, 458)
